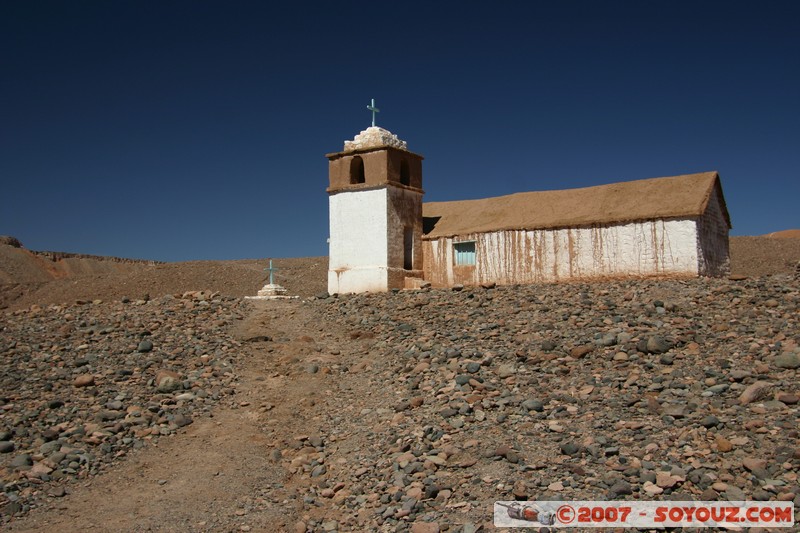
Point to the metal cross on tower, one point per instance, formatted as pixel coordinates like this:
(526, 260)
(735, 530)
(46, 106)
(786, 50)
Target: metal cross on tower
(271, 270)
(374, 110)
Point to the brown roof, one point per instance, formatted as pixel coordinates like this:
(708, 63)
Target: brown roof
(672, 197)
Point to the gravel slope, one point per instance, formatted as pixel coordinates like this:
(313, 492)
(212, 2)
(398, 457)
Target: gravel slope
(392, 412)
(415, 411)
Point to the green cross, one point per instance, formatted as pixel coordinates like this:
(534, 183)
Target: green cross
(374, 110)
(271, 270)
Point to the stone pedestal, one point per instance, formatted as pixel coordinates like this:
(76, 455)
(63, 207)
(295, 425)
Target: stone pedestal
(271, 291)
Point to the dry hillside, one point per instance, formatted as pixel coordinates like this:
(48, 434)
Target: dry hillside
(763, 256)
(28, 278)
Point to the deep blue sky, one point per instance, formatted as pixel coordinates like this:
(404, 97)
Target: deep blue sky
(197, 130)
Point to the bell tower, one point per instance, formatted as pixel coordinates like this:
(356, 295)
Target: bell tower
(375, 201)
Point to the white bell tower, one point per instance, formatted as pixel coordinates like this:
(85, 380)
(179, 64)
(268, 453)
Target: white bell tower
(375, 200)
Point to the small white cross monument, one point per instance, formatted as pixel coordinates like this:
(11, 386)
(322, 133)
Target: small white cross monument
(271, 291)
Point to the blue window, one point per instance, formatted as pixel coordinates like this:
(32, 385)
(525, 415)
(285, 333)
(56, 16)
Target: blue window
(464, 252)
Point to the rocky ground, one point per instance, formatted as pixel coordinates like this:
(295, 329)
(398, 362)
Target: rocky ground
(131, 402)
(626, 390)
(411, 411)
(83, 385)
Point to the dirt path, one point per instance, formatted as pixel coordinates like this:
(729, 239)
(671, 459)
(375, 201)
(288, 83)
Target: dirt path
(227, 472)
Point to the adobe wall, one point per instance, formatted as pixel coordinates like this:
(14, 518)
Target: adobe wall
(381, 166)
(712, 240)
(641, 249)
(404, 210)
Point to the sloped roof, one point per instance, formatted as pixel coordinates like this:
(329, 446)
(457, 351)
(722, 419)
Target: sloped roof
(671, 197)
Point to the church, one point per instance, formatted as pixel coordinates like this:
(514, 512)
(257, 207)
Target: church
(383, 237)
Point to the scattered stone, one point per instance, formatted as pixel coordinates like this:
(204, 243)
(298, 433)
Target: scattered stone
(258, 338)
(506, 371)
(755, 392)
(723, 444)
(520, 490)
(789, 360)
(11, 509)
(180, 420)
(739, 375)
(145, 346)
(666, 480)
(448, 412)
(674, 410)
(734, 494)
(549, 346)
(473, 367)
(658, 344)
(570, 448)
(651, 488)
(21, 461)
(581, 351)
(425, 527)
(84, 380)
(533, 405)
(167, 381)
(754, 463)
(620, 488)
(789, 398)
(463, 379)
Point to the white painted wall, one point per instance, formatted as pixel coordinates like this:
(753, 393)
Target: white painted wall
(358, 241)
(658, 247)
